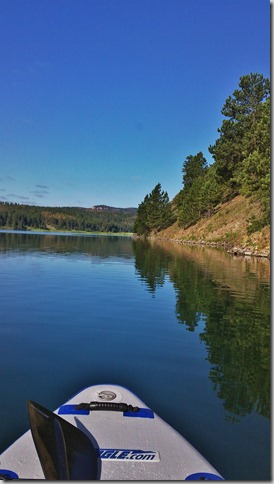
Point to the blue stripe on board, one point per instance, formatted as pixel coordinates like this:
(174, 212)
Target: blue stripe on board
(143, 413)
(71, 410)
(203, 476)
(6, 474)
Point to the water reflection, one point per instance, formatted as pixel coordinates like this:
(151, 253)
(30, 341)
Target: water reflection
(232, 297)
(66, 244)
(225, 299)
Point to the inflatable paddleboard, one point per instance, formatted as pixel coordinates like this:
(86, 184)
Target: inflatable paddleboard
(103, 432)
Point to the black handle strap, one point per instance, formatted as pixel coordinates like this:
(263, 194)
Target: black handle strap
(109, 406)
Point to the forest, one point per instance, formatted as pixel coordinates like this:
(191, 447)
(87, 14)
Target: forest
(241, 165)
(14, 216)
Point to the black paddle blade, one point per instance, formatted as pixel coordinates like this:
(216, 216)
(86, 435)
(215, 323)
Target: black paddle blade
(65, 452)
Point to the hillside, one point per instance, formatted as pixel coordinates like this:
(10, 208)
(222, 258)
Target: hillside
(228, 227)
(101, 218)
(226, 202)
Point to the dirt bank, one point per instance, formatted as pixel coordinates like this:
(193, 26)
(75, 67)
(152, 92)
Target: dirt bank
(227, 227)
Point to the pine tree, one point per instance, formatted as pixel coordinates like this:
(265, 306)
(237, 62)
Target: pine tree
(154, 213)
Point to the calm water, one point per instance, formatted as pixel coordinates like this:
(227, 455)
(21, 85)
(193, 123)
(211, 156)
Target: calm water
(186, 328)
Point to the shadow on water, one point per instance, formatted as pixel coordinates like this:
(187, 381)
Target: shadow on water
(232, 297)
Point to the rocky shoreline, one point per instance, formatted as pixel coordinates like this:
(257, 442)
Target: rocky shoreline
(230, 249)
(244, 251)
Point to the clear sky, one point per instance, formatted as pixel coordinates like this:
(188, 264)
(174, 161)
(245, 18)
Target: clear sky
(100, 100)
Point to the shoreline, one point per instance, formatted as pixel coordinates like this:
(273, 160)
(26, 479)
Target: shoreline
(229, 248)
(235, 250)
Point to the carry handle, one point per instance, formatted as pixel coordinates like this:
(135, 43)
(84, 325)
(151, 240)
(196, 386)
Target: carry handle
(110, 406)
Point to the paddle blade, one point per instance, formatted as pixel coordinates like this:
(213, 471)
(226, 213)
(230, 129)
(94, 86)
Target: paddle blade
(65, 452)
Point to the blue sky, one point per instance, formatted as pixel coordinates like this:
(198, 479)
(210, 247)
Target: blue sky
(100, 100)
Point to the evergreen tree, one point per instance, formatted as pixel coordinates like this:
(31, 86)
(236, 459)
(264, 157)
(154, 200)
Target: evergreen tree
(154, 213)
(193, 167)
(191, 203)
(254, 176)
(141, 226)
(239, 133)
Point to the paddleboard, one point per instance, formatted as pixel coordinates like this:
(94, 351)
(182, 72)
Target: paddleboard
(131, 441)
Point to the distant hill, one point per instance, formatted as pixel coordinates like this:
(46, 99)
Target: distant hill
(106, 208)
(100, 218)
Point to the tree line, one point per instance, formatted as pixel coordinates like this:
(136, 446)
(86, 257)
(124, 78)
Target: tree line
(241, 165)
(23, 217)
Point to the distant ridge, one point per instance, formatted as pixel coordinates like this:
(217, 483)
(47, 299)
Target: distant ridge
(107, 208)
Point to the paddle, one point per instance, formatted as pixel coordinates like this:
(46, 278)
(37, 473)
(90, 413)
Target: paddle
(65, 452)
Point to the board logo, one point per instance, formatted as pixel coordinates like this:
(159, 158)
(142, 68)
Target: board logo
(130, 454)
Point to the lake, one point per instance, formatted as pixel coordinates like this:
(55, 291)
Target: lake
(187, 328)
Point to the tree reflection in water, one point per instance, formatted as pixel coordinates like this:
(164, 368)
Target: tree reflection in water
(232, 297)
